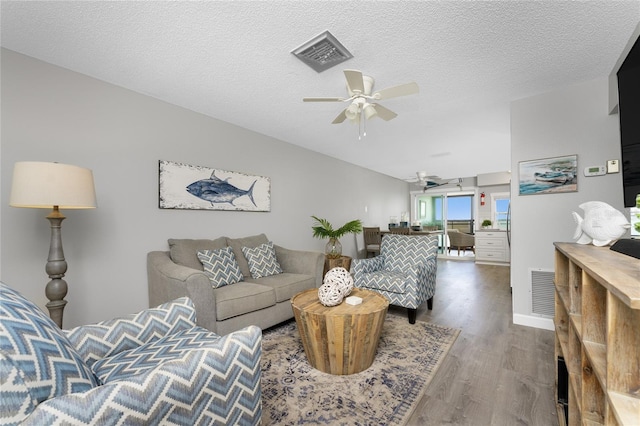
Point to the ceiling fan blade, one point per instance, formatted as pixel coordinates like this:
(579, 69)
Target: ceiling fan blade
(340, 118)
(355, 83)
(384, 113)
(395, 91)
(423, 175)
(323, 99)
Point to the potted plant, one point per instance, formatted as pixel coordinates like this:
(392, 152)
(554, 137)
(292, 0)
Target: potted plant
(486, 224)
(323, 229)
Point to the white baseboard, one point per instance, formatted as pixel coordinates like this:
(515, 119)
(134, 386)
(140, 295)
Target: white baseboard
(534, 321)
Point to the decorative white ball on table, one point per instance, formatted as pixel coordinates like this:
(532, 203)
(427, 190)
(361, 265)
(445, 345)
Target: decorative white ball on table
(338, 283)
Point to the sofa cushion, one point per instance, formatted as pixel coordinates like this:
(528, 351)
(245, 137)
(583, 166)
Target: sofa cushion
(185, 252)
(242, 298)
(33, 346)
(286, 285)
(107, 338)
(237, 243)
(148, 356)
(262, 260)
(220, 266)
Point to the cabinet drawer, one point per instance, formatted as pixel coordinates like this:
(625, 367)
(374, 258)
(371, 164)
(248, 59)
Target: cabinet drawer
(494, 255)
(482, 234)
(490, 243)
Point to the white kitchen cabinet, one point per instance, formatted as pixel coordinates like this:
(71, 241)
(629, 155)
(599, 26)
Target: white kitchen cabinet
(492, 247)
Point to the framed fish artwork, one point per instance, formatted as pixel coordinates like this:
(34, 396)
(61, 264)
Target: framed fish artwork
(184, 186)
(548, 175)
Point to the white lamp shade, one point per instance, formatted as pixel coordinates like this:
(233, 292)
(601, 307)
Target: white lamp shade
(44, 185)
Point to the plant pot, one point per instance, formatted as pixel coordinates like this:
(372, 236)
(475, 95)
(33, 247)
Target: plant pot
(333, 249)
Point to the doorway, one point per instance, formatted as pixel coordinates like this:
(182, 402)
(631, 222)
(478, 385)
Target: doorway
(444, 210)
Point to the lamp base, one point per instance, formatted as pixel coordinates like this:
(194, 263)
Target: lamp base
(56, 267)
(56, 308)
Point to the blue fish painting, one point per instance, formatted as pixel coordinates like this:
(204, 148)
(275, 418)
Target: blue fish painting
(216, 190)
(191, 187)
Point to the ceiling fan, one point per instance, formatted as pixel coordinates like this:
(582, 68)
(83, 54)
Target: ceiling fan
(363, 102)
(430, 181)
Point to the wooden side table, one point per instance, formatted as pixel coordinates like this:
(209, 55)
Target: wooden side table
(340, 339)
(330, 263)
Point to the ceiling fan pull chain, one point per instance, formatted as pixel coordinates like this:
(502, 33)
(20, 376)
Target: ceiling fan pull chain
(364, 125)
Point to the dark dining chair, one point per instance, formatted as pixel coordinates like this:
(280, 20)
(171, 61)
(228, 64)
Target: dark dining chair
(372, 239)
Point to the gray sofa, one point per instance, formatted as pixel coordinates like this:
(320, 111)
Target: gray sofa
(261, 301)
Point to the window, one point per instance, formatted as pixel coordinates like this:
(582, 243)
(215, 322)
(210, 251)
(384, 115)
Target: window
(500, 209)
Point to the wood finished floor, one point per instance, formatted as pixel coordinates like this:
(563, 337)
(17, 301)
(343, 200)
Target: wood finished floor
(496, 373)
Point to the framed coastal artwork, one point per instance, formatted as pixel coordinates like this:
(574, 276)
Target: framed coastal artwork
(189, 187)
(548, 175)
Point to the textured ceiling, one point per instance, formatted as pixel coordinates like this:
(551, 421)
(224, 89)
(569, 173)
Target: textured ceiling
(232, 61)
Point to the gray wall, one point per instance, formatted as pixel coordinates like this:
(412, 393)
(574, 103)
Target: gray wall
(573, 120)
(53, 114)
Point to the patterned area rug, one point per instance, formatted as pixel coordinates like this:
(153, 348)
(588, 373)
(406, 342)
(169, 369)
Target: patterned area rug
(386, 393)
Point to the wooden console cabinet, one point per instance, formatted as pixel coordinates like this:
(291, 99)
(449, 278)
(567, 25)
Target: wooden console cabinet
(597, 322)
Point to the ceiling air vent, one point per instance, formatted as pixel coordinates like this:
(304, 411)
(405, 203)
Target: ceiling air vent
(322, 52)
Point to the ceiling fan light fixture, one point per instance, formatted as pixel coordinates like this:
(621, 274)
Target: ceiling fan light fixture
(369, 111)
(352, 111)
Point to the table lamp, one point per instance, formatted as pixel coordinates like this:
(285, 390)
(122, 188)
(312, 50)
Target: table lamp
(56, 186)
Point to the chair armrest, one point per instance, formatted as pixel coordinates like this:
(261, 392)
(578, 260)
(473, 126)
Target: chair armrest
(107, 338)
(363, 266)
(185, 390)
(427, 274)
(168, 280)
(301, 262)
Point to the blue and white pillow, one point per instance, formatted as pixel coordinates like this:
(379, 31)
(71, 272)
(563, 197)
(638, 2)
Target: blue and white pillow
(38, 362)
(262, 260)
(220, 266)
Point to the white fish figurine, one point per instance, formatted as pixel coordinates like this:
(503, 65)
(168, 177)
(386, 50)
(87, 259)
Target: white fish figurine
(602, 224)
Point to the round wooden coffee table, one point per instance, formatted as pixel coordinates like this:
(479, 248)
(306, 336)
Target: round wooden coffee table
(340, 339)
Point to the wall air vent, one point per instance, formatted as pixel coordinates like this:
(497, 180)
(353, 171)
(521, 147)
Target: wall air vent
(542, 292)
(322, 52)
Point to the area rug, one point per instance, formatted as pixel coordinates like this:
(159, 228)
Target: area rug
(386, 393)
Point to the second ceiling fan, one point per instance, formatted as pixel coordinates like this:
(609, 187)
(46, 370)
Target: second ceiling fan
(363, 102)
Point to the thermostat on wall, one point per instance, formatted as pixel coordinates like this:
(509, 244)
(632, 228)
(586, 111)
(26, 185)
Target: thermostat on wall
(595, 171)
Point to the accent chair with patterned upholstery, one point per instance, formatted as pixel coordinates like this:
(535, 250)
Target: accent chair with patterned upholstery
(405, 271)
(154, 367)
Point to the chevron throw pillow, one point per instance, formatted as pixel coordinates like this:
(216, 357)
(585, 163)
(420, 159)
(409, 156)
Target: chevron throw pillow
(262, 260)
(38, 362)
(220, 266)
